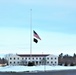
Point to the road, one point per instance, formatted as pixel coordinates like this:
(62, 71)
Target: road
(62, 72)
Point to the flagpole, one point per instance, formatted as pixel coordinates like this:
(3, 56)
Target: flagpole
(31, 35)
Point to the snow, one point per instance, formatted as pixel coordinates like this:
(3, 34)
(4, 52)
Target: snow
(34, 68)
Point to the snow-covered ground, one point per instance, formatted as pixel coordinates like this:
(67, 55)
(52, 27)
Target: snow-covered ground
(34, 68)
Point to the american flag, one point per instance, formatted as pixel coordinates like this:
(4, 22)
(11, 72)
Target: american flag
(36, 35)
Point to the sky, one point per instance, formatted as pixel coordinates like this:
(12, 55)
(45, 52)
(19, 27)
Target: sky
(53, 20)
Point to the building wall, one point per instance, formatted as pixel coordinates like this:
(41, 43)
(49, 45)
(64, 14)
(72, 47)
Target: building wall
(38, 60)
(13, 59)
(52, 60)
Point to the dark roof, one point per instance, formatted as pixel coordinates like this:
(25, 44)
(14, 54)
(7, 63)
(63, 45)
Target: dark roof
(34, 55)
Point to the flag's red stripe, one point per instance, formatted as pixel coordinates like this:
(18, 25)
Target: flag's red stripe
(35, 35)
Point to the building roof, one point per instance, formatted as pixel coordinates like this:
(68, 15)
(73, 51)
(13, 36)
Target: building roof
(34, 55)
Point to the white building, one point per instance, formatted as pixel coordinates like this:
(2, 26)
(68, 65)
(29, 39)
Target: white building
(38, 59)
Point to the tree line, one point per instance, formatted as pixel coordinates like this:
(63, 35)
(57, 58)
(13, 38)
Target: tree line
(67, 59)
(67, 55)
(3, 61)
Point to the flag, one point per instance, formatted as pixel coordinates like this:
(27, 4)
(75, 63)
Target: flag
(36, 35)
(35, 40)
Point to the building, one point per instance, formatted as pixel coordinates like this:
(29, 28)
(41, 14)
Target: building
(38, 59)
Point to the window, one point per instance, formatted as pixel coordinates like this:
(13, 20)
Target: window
(14, 58)
(51, 58)
(22, 58)
(18, 58)
(48, 58)
(48, 62)
(29, 58)
(10, 62)
(26, 58)
(51, 62)
(10, 58)
(36, 58)
(36, 62)
(55, 61)
(40, 62)
(26, 62)
(18, 62)
(14, 62)
(33, 58)
(40, 58)
(55, 58)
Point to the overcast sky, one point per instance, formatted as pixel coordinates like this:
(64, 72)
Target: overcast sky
(53, 20)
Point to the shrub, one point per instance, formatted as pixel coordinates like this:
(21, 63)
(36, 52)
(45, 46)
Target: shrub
(31, 64)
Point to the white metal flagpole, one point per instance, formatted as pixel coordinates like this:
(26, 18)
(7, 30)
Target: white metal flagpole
(31, 35)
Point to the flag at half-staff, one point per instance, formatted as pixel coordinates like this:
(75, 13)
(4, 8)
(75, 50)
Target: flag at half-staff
(35, 40)
(36, 37)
